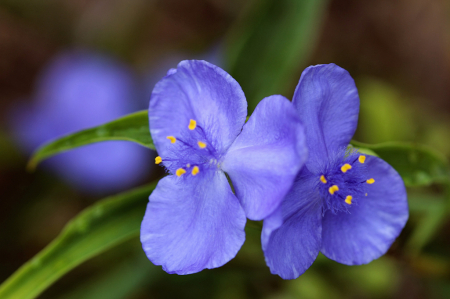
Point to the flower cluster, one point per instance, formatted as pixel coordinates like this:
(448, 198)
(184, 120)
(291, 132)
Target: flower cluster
(289, 165)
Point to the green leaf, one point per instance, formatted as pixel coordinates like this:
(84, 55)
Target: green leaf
(273, 40)
(427, 227)
(133, 127)
(421, 202)
(98, 228)
(430, 213)
(121, 280)
(418, 165)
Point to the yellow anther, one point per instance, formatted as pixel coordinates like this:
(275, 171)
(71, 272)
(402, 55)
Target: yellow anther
(333, 189)
(346, 167)
(195, 170)
(370, 181)
(192, 124)
(172, 139)
(362, 159)
(201, 144)
(348, 199)
(323, 179)
(180, 172)
(158, 160)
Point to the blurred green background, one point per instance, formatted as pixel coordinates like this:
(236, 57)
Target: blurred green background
(397, 51)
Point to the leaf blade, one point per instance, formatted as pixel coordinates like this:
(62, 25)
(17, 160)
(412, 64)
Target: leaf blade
(132, 127)
(417, 164)
(119, 281)
(96, 229)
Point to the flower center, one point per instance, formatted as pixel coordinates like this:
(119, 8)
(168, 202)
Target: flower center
(343, 183)
(192, 153)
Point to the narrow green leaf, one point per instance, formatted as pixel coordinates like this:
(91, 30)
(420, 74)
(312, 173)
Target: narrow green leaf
(273, 40)
(98, 228)
(421, 202)
(427, 227)
(431, 213)
(418, 165)
(119, 281)
(132, 127)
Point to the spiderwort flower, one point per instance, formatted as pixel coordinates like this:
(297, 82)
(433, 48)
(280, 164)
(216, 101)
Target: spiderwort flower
(348, 205)
(77, 90)
(197, 113)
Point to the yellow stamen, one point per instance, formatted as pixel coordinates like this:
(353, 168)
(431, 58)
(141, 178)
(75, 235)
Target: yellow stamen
(195, 170)
(192, 124)
(158, 160)
(366, 194)
(188, 165)
(346, 167)
(201, 144)
(362, 159)
(333, 189)
(348, 199)
(180, 172)
(323, 179)
(172, 139)
(370, 181)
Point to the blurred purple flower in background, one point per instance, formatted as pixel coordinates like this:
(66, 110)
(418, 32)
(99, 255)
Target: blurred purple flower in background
(77, 90)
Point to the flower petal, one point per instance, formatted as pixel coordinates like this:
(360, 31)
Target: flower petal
(291, 236)
(327, 101)
(192, 223)
(373, 223)
(202, 92)
(265, 158)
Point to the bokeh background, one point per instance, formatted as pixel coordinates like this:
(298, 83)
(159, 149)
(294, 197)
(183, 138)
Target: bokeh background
(398, 51)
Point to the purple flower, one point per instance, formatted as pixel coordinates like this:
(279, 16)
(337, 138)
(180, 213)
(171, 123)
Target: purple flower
(347, 205)
(197, 114)
(78, 90)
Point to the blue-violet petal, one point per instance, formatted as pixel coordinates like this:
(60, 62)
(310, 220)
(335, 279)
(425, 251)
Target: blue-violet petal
(291, 236)
(265, 158)
(327, 101)
(373, 223)
(205, 94)
(192, 223)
